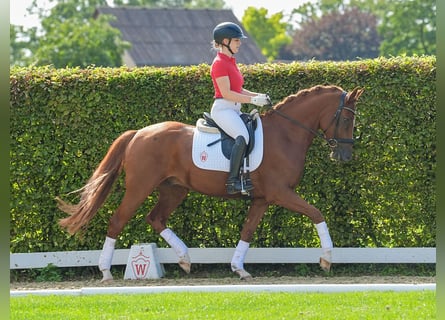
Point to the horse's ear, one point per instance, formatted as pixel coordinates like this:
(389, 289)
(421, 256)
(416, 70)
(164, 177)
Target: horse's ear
(354, 94)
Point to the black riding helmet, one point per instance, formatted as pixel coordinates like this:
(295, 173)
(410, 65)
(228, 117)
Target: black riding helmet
(227, 30)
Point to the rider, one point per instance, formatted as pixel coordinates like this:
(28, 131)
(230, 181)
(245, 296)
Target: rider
(229, 94)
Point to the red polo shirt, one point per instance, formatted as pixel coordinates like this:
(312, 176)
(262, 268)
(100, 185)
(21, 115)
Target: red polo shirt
(222, 66)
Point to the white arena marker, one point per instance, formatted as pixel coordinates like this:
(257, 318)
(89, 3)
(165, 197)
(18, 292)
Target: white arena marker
(143, 263)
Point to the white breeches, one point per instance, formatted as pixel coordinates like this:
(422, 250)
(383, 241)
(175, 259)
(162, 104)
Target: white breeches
(226, 114)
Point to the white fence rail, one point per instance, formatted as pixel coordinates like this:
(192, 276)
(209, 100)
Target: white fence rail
(224, 255)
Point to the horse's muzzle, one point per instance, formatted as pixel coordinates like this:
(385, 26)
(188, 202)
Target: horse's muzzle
(341, 154)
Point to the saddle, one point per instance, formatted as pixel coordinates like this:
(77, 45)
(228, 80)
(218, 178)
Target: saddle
(209, 125)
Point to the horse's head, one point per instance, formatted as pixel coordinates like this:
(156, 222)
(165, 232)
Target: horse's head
(337, 124)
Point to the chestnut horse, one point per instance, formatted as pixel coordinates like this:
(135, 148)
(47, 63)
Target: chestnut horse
(159, 157)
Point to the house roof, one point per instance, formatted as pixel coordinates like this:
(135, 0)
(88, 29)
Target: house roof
(167, 37)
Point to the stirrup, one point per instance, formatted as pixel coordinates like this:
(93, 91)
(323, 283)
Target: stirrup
(246, 186)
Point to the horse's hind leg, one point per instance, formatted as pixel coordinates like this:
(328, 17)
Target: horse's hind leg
(132, 199)
(170, 196)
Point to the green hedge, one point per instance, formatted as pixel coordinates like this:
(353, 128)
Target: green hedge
(63, 121)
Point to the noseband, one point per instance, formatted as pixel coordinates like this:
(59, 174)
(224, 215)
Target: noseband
(333, 142)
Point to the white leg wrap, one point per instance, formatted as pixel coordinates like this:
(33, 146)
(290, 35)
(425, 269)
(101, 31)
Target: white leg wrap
(239, 255)
(172, 239)
(323, 233)
(325, 239)
(107, 254)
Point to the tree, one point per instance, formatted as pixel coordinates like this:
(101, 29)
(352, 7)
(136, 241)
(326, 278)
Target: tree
(75, 43)
(20, 45)
(404, 26)
(269, 33)
(336, 36)
(71, 36)
(409, 28)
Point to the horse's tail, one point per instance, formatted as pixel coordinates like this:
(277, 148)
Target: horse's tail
(95, 192)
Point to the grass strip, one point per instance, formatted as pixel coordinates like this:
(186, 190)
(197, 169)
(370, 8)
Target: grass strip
(228, 305)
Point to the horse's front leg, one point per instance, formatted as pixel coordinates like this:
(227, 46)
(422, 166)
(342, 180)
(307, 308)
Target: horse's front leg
(256, 212)
(326, 246)
(179, 247)
(290, 200)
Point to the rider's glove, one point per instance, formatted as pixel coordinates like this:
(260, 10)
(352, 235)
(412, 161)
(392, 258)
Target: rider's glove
(260, 100)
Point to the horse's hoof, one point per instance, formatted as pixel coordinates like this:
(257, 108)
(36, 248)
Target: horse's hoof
(325, 265)
(243, 274)
(106, 276)
(185, 263)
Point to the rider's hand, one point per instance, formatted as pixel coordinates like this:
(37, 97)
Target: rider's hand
(260, 100)
(267, 97)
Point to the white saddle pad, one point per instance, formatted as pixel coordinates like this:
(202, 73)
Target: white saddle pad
(212, 158)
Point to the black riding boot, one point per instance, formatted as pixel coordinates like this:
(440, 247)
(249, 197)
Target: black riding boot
(233, 184)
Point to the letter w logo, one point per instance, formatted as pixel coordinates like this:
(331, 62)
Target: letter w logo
(140, 266)
(140, 269)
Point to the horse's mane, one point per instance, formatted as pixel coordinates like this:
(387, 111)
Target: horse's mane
(303, 93)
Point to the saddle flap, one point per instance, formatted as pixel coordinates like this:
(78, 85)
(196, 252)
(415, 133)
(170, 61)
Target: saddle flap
(209, 155)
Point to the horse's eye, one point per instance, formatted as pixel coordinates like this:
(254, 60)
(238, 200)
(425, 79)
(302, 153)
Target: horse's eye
(346, 122)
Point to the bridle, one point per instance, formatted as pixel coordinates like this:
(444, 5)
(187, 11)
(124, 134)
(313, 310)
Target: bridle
(333, 142)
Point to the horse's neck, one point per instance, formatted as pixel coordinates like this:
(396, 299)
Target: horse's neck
(287, 134)
(306, 108)
(297, 119)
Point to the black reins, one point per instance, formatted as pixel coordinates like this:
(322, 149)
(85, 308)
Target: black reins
(333, 142)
